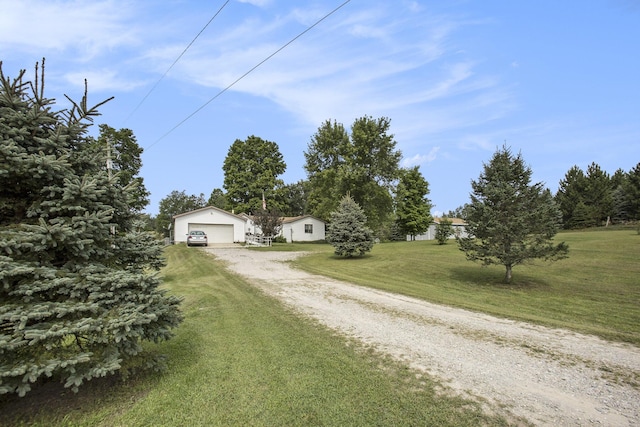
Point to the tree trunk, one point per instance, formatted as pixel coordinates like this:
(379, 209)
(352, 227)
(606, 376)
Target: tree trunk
(507, 276)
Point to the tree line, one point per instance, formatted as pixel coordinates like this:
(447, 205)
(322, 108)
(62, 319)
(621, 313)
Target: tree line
(593, 197)
(362, 161)
(365, 163)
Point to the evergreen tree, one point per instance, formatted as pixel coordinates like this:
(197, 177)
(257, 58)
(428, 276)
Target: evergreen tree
(413, 208)
(598, 194)
(571, 193)
(347, 232)
(78, 297)
(444, 229)
(632, 192)
(509, 220)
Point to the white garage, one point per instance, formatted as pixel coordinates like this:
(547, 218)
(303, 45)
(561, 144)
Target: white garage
(216, 233)
(219, 225)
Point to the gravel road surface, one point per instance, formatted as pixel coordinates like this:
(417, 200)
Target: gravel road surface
(548, 376)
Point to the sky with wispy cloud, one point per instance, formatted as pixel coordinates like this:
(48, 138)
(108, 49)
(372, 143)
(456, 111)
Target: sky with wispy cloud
(556, 81)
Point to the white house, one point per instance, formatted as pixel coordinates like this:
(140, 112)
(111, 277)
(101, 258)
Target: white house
(303, 228)
(457, 224)
(219, 225)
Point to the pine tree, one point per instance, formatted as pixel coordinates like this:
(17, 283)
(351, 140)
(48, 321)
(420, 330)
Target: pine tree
(509, 220)
(78, 298)
(347, 232)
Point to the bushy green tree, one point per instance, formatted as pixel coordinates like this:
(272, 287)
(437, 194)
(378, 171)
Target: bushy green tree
(413, 208)
(293, 197)
(347, 232)
(124, 153)
(364, 164)
(175, 203)
(76, 284)
(251, 170)
(444, 230)
(217, 198)
(510, 220)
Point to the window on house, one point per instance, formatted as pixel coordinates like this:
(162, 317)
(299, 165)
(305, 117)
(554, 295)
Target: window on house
(308, 228)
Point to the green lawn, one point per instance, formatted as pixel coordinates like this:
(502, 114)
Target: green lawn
(596, 290)
(241, 358)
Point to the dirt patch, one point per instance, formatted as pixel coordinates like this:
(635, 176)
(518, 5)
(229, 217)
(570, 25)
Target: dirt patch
(548, 376)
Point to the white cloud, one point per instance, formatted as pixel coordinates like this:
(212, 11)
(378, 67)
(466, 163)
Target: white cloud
(87, 28)
(104, 80)
(421, 159)
(259, 3)
(380, 62)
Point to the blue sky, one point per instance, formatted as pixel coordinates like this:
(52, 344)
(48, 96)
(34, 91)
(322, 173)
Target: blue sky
(558, 81)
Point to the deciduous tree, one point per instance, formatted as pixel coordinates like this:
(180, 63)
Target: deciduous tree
(218, 199)
(509, 219)
(413, 208)
(124, 154)
(175, 203)
(364, 164)
(251, 170)
(444, 230)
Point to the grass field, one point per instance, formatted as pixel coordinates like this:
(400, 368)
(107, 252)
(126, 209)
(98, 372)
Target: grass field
(241, 358)
(596, 290)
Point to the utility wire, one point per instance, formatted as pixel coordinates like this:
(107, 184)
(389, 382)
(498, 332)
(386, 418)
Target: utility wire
(247, 73)
(176, 61)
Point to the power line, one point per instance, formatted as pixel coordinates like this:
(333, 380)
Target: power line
(176, 61)
(247, 73)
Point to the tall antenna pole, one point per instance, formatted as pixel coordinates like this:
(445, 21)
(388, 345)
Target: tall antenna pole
(109, 166)
(109, 162)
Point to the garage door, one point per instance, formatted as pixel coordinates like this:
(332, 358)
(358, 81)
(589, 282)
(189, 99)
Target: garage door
(216, 233)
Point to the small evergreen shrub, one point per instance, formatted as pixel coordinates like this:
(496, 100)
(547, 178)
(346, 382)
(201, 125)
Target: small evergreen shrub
(347, 232)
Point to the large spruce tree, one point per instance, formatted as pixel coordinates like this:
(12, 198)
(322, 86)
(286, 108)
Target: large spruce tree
(76, 284)
(509, 220)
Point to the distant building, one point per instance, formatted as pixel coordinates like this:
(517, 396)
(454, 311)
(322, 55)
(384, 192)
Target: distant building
(458, 225)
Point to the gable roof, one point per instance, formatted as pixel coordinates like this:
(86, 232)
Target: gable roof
(291, 219)
(287, 219)
(454, 221)
(213, 208)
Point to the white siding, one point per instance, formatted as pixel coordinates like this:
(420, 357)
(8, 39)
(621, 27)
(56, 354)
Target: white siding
(296, 231)
(210, 217)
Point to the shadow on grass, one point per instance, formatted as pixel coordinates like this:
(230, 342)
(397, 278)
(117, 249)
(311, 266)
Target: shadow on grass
(50, 401)
(493, 277)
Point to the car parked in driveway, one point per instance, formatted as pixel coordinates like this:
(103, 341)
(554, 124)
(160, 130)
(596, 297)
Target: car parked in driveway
(196, 237)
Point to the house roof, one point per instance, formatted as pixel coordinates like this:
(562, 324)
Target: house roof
(454, 221)
(213, 208)
(290, 219)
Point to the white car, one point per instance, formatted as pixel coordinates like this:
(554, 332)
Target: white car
(196, 237)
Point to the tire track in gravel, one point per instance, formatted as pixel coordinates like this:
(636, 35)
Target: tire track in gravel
(548, 376)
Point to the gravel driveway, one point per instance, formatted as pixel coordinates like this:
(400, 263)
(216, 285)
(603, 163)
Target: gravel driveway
(548, 376)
